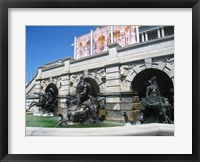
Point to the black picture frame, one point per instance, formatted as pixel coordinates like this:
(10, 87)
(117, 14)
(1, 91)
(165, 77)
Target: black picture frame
(6, 4)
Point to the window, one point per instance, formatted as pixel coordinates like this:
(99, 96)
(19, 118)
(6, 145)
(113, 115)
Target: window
(152, 34)
(169, 30)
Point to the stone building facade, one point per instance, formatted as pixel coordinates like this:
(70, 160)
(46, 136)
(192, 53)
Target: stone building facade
(119, 74)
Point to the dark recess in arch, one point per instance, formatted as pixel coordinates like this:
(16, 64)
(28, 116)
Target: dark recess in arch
(95, 87)
(140, 82)
(54, 87)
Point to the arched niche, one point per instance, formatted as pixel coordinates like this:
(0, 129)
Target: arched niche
(94, 85)
(54, 87)
(165, 83)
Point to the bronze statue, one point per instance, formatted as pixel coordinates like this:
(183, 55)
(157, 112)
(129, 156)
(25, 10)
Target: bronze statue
(157, 108)
(47, 101)
(84, 108)
(82, 92)
(152, 89)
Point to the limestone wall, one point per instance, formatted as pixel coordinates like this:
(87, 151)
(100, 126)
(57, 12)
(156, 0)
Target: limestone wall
(113, 72)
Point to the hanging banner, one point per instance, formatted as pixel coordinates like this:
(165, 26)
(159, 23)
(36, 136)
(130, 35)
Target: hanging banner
(124, 35)
(83, 46)
(101, 39)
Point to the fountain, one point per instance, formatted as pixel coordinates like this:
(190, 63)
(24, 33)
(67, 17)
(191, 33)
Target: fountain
(83, 111)
(85, 106)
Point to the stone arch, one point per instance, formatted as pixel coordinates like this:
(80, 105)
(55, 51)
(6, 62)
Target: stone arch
(55, 81)
(100, 81)
(92, 79)
(96, 77)
(165, 66)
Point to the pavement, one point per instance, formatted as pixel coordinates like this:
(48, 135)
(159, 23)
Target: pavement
(132, 130)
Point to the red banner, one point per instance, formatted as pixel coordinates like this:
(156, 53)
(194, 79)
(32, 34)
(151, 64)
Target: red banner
(124, 35)
(101, 39)
(83, 46)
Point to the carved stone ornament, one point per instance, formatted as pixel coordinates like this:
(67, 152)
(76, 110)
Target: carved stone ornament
(99, 76)
(44, 85)
(170, 60)
(125, 69)
(72, 79)
(56, 81)
(127, 73)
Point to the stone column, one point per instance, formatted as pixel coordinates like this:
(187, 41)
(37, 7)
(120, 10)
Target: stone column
(162, 32)
(74, 47)
(142, 35)
(137, 34)
(113, 79)
(146, 36)
(158, 32)
(113, 91)
(113, 56)
(65, 85)
(91, 42)
(113, 88)
(111, 34)
(64, 91)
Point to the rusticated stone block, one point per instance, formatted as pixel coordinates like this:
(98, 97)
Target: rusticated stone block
(126, 106)
(112, 69)
(115, 82)
(112, 106)
(113, 89)
(112, 100)
(102, 113)
(113, 76)
(114, 116)
(138, 106)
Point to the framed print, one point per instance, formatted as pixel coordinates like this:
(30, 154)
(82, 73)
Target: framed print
(99, 80)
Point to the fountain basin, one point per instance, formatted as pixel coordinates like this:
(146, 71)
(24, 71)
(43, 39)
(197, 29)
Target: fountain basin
(154, 129)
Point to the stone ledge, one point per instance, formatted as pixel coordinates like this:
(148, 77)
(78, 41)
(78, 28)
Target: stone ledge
(134, 130)
(90, 57)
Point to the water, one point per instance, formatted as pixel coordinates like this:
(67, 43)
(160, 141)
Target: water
(51, 122)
